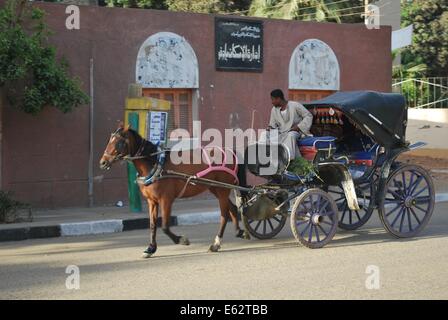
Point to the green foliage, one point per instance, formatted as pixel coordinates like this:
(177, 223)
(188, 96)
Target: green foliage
(9, 208)
(316, 10)
(308, 10)
(430, 20)
(144, 4)
(29, 71)
(199, 6)
(302, 167)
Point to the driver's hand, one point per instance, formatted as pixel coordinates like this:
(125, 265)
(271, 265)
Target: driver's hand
(296, 129)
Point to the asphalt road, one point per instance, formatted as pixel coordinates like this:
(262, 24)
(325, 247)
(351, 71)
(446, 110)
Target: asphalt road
(110, 266)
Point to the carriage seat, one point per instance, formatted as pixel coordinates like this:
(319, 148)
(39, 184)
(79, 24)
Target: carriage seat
(309, 146)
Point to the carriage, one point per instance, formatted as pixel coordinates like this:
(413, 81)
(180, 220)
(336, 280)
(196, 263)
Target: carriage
(357, 138)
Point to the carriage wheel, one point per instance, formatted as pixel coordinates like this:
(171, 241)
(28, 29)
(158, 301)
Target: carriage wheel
(353, 219)
(314, 218)
(267, 228)
(407, 202)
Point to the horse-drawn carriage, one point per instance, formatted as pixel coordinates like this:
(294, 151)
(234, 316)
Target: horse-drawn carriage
(357, 137)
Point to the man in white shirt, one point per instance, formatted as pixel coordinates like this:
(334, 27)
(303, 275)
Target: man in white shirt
(292, 120)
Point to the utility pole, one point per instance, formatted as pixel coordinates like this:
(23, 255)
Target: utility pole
(366, 9)
(1, 137)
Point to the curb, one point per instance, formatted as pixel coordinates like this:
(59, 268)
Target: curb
(117, 225)
(102, 227)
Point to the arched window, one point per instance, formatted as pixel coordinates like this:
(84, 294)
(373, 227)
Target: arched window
(313, 71)
(167, 68)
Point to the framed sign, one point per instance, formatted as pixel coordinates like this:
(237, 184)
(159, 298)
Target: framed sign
(156, 124)
(238, 44)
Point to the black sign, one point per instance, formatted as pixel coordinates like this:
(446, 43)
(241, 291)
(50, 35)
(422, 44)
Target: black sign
(238, 44)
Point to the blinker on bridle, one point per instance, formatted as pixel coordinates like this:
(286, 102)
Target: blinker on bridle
(119, 145)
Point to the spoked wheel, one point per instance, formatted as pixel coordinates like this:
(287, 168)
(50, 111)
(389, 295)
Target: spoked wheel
(407, 202)
(267, 228)
(314, 218)
(353, 219)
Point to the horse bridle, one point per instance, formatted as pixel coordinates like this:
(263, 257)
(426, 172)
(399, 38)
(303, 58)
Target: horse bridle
(117, 156)
(127, 156)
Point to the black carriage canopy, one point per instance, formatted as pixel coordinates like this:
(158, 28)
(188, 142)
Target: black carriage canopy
(382, 116)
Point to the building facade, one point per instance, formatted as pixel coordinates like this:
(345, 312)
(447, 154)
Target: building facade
(45, 158)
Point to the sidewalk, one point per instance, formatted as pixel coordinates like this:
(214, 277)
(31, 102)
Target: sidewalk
(100, 220)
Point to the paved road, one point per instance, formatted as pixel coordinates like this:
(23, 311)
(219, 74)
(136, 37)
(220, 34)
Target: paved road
(110, 266)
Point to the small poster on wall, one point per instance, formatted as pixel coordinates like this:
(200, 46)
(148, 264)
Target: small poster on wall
(156, 126)
(238, 44)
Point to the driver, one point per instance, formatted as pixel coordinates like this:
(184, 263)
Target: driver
(292, 120)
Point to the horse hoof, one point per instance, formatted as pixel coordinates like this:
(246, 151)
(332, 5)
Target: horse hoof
(246, 235)
(240, 234)
(214, 248)
(146, 255)
(184, 241)
(149, 251)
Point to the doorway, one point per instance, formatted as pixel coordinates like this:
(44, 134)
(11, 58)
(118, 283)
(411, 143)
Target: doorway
(308, 95)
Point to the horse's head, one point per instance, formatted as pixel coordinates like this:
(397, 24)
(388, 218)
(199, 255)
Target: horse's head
(120, 145)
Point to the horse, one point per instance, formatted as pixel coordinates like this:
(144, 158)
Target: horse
(126, 144)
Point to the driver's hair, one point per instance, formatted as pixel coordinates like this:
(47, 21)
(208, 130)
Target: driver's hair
(277, 93)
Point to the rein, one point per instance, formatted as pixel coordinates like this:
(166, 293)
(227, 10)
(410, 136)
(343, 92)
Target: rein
(130, 158)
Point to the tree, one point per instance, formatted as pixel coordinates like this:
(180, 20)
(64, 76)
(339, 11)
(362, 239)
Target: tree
(144, 4)
(309, 10)
(200, 6)
(30, 75)
(430, 20)
(208, 6)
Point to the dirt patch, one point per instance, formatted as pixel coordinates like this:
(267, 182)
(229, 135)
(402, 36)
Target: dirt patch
(434, 160)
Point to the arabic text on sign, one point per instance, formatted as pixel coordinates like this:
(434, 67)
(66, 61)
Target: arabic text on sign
(239, 52)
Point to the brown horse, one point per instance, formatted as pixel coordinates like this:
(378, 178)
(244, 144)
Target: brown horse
(127, 144)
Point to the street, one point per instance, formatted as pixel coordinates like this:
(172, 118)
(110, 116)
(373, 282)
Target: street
(111, 268)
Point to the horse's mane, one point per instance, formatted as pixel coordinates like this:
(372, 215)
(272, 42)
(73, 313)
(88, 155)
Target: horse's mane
(137, 137)
(149, 146)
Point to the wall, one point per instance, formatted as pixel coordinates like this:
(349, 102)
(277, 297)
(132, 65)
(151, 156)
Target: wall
(45, 158)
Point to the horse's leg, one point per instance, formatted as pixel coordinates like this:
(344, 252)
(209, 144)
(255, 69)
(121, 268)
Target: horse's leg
(233, 210)
(165, 206)
(153, 215)
(223, 198)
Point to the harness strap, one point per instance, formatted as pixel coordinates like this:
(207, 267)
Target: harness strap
(185, 186)
(156, 172)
